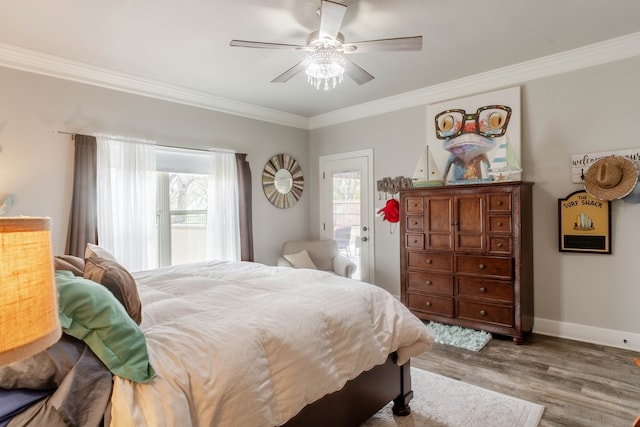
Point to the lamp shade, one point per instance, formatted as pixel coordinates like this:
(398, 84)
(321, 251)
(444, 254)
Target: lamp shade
(28, 298)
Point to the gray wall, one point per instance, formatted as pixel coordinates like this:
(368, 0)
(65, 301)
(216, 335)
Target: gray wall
(584, 296)
(397, 140)
(36, 163)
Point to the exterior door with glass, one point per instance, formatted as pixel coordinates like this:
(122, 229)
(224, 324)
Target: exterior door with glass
(346, 209)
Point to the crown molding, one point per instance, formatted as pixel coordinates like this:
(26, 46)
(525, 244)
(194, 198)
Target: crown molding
(588, 56)
(54, 66)
(596, 54)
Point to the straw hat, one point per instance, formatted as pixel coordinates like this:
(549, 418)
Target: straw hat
(611, 178)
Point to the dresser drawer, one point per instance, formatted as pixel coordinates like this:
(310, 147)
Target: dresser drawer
(415, 223)
(485, 313)
(500, 224)
(500, 245)
(499, 202)
(414, 241)
(486, 266)
(441, 306)
(430, 261)
(414, 205)
(493, 290)
(430, 283)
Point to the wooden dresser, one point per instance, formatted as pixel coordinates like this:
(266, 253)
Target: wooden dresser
(467, 256)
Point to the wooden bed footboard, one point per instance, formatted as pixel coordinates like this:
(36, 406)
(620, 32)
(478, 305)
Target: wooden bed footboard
(360, 398)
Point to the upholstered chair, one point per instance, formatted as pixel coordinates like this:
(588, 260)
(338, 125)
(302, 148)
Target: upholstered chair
(318, 254)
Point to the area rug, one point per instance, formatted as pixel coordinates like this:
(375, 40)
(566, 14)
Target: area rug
(439, 401)
(459, 337)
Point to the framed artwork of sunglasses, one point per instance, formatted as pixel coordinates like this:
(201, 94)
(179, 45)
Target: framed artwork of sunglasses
(476, 139)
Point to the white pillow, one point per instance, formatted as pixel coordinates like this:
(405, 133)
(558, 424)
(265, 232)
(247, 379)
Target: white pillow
(300, 260)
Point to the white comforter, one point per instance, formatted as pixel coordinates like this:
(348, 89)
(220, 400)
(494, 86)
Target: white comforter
(244, 344)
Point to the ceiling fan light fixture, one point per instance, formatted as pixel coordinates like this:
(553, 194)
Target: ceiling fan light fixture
(325, 67)
(326, 64)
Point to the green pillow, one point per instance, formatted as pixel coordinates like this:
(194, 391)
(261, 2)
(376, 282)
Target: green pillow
(90, 312)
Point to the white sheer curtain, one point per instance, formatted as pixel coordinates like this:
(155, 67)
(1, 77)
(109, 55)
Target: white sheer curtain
(126, 181)
(223, 225)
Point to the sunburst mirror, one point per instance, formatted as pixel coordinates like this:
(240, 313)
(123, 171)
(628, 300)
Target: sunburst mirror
(282, 181)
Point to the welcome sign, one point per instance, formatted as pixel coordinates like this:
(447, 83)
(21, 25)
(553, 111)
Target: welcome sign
(581, 162)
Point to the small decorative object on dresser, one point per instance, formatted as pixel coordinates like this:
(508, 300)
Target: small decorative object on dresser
(467, 256)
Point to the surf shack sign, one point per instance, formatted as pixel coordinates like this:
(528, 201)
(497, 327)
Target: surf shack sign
(581, 162)
(584, 224)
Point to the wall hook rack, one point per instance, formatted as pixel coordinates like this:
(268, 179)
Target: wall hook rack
(390, 186)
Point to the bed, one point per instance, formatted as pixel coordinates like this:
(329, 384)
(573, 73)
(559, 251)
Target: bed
(222, 344)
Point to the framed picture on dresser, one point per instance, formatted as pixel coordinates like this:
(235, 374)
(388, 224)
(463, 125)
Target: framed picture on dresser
(476, 139)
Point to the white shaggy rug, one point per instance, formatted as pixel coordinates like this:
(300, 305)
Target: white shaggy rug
(458, 336)
(439, 401)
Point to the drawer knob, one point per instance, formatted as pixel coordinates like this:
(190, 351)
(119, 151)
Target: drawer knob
(429, 261)
(415, 222)
(500, 223)
(483, 313)
(500, 245)
(428, 303)
(483, 290)
(499, 203)
(482, 266)
(428, 282)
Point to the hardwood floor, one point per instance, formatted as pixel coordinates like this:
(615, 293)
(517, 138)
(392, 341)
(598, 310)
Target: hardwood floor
(580, 384)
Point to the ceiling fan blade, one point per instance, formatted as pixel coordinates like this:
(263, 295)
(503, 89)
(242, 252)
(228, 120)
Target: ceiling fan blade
(264, 45)
(357, 73)
(331, 16)
(399, 44)
(284, 77)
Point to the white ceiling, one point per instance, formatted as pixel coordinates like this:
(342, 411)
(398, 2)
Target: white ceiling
(183, 45)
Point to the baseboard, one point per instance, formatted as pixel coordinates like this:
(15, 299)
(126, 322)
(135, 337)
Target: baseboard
(591, 334)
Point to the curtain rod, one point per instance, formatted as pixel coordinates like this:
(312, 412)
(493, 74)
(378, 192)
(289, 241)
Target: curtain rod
(148, 142)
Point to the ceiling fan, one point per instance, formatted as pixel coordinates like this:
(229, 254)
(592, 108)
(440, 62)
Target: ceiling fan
(326, 62)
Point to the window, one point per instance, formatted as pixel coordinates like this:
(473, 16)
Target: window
(153, 203)
(182, 218)
(182, 198)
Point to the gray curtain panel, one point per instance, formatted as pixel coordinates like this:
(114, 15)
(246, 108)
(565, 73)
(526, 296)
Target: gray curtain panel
(244, 198)
(83, 221)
